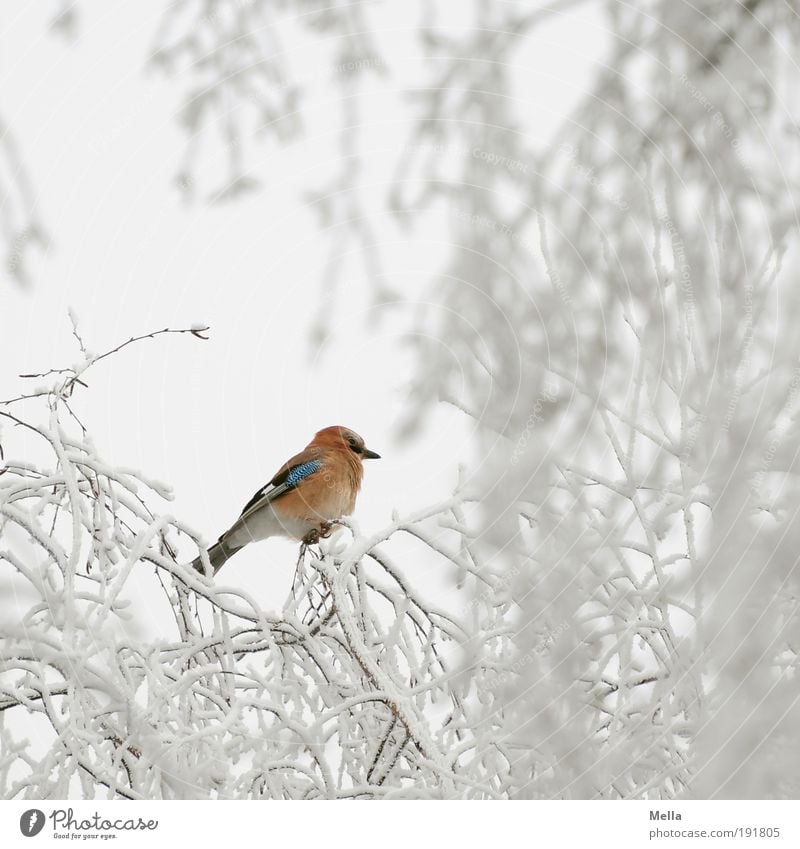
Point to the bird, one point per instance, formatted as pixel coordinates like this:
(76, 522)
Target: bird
(307, 494)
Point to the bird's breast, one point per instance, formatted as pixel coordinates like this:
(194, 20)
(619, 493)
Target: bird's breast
(324, 497)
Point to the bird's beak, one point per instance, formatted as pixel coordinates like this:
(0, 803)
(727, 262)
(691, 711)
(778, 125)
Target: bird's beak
(370, 455)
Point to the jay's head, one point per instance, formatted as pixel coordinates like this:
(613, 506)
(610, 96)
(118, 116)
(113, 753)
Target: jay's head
(345, 439)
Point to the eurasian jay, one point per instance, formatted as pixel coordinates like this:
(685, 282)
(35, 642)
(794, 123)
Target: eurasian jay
(307, 494)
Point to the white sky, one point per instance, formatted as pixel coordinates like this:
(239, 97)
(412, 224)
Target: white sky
(216, 419)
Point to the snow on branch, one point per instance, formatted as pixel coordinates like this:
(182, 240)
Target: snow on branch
(360, 687)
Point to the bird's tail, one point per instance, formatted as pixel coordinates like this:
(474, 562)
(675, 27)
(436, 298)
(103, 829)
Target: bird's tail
(218, 554)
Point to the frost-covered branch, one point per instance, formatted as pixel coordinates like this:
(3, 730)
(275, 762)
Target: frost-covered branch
(360, 686)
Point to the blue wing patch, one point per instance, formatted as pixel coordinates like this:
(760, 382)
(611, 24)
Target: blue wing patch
(294, 476)
(301, 472)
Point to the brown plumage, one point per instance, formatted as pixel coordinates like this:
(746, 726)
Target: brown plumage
(308, 492)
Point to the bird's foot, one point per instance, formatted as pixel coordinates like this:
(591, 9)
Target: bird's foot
(326, 529)
(312, 537)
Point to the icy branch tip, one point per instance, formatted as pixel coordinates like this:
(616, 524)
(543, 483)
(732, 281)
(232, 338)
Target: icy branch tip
(198, 329)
